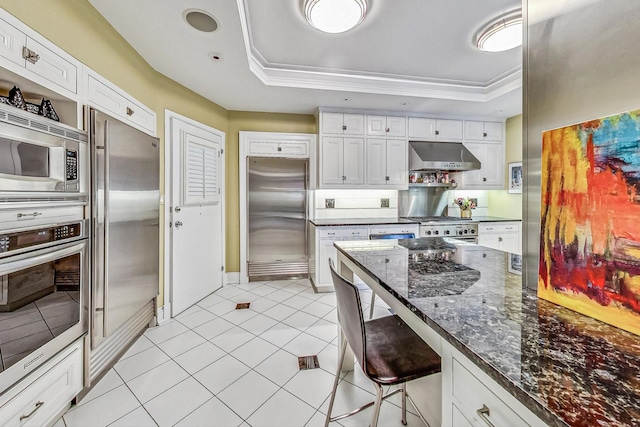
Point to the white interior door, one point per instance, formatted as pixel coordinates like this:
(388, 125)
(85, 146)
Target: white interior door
(197, 242)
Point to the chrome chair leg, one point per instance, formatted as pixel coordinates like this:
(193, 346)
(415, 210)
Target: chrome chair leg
(343, 349)
(373, 304)
(404, 404)
(378, 403)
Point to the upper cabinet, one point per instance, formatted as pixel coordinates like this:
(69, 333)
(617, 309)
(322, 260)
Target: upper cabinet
(483, 131)
(342, 123)
(435, 129)
(43, 65)
(389, 126)
(386, 162)
(341, 161)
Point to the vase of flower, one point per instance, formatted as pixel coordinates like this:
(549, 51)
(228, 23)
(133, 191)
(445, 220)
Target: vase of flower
(465, 204)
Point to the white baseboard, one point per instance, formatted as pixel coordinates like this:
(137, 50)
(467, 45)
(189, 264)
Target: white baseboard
(164, 313)
(233, 277)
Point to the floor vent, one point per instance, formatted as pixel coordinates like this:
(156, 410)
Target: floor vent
(242, 305)
(308, 362)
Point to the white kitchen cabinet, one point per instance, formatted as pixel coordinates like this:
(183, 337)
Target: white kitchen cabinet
(342, 123)
(390, 126)
(108, 98)
(435, 129)
(43, 395)
(483, 131)
(279, 148)
(325, 236)
(491, 174)
(44, 64)
(504, 236)
(386, 162)
(341, 161)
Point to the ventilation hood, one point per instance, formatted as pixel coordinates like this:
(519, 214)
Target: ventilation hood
(449, 156)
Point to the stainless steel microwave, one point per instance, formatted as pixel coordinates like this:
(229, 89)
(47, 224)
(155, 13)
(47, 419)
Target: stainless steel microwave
(38, 155)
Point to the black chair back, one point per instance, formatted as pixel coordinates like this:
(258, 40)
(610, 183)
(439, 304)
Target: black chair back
(350, 314)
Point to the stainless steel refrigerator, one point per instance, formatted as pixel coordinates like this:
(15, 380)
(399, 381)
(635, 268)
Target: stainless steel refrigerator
(277, 218)
(125, 232)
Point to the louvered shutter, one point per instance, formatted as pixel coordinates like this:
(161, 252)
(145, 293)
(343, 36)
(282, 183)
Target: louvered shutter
(200, 166)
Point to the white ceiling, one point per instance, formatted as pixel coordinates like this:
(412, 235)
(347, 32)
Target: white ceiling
(411, 55)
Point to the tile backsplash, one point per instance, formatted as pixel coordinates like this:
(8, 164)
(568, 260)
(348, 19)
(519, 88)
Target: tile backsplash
(355, 204)
(482, 197)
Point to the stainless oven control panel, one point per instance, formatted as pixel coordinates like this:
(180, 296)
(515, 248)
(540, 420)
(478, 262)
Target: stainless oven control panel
(449, 230)
(20, 240)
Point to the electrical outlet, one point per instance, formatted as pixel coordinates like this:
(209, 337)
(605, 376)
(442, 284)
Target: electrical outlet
(384, 203)
(329, 203)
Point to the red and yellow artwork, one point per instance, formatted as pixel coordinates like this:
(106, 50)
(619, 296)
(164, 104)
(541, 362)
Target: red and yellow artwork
(590, 219)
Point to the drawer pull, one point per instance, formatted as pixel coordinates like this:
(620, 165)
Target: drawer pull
(34, 214)
(129, 112)
(38, 405)
(484, 414)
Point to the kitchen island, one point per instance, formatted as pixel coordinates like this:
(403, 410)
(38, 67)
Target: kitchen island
(508, 358)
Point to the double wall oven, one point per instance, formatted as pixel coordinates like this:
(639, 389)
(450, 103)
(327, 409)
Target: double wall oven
(44, 245)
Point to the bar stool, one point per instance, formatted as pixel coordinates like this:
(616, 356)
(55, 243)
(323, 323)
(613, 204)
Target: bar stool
(379, 237)
(388, 351)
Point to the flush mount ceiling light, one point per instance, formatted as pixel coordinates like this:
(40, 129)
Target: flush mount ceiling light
(200, 20)
(335, 16)
(501, 34)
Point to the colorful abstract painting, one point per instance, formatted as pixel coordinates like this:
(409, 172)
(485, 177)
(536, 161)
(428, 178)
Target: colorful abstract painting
(590, 225)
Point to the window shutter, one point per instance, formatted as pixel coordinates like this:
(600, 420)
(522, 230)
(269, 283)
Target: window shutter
(200, 178)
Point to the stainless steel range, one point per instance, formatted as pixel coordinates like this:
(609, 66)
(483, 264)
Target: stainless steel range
(441, 226)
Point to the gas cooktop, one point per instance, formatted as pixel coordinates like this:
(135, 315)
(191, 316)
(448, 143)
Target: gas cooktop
(437, 219)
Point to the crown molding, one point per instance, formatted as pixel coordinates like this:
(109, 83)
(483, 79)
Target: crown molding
(286, 75)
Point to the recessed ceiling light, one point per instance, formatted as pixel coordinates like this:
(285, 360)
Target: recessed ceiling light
(335, 16)
(200, 20)
(215, 56)
(502, 34)
(346, 99)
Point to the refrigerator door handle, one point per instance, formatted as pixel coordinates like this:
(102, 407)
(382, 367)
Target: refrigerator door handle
(306, 209)
(105, 254)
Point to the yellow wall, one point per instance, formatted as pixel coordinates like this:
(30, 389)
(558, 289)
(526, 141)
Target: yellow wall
(256, 122)
(501, 203)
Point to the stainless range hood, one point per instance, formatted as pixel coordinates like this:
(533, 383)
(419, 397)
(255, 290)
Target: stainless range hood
(450, 156)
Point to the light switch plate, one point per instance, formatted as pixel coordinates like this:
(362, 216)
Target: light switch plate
(384, 203)
(329, 203)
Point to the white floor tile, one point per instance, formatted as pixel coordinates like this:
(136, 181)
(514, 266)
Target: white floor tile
(332, 316)
(229, 291)
(245, 297)
(324, 330)
(280, 367)
(165, 331)
(140, 363)
(159, 379)
(262, 305)
(348, 398)
(258, 324)
(107, 383)
(280, 284)
(199, 357)
(296, 414)
(263, 290)
(305, 345)
(221, 373)
(197, 318)
(248, 393)
(141, 344)
(232, 339)
(280, 334)
(254, 351)
(300, 320)
(212, 413)
(136, 418)
(297, 288)
(222, 308)
(177, 345)
(240, 316)
(310, 294)
(297, 302)
(213, 328)
(279, 312)
(103, 410)
(328, 298)
(188, 312)
(317, 309)
(177, 402)
(318, 421)
(210, 300)
(311, 385)
(328, 359)
(390, 415)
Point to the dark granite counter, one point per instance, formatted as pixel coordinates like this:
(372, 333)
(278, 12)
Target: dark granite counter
(360, 221)
(567, 368)
(493, 219)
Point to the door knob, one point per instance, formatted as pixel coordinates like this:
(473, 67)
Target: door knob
(178, 224)
(177, 209)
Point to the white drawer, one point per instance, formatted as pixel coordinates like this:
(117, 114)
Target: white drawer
(34, 216)
(342, 233)
(46, 392)
(395, 229)
(472, 395)
(141, 116)
(53, 67)
(498, 227)
(11, 42)
(294, 149)
(263, 147)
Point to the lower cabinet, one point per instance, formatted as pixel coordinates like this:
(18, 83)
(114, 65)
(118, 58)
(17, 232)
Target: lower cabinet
(46, 393)
(504, 236)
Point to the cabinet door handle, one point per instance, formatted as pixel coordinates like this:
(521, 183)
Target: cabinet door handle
(387, 130)
(344, 127)
(484, 134)
(437, 132)
(386, 178)
(38, 406)
(279, 148)
(499, 239)
(30, 55)
(129, 112)
(484, 414)
(344, 178)
(484, 179)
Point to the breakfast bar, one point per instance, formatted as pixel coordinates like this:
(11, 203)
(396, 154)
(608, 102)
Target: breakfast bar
(508, 358)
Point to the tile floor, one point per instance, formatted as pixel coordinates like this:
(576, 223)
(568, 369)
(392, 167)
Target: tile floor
(216, 366)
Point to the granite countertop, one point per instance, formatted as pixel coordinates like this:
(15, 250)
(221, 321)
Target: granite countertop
(361, 221)
(567, 368)
(493, 219)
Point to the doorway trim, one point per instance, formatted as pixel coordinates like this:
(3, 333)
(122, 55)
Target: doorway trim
(164, 312)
